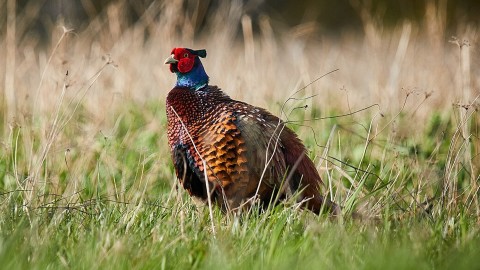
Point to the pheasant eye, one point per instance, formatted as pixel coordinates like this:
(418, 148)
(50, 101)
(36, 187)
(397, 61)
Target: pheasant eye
(185, 55)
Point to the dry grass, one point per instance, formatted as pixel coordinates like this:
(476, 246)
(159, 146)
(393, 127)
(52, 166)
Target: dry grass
(84, 122)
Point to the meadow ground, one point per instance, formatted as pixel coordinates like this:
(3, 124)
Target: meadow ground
(86, 176)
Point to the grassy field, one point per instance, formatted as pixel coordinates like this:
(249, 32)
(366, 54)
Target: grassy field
(86, 176)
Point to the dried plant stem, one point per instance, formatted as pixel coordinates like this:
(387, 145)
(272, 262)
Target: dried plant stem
(42, 78)
(10, 62)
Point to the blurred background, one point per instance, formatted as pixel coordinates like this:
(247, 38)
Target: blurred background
(383, 50)
(36, 23)
(331, 18)
(259, 51)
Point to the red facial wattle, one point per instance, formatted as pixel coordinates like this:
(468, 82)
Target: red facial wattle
(185, 59)
(185, 65)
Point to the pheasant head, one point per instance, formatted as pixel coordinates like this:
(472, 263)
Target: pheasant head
(186, 64)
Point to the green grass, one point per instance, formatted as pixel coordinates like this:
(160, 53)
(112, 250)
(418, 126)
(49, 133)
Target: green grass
(150, 236)
(124, 213)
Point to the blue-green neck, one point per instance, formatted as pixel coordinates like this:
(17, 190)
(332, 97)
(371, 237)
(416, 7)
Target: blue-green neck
(196, 79)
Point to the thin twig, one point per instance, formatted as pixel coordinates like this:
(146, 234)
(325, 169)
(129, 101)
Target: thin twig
(204, 168)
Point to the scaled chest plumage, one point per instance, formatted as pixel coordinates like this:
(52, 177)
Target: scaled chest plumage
(207, 126)
(190, 111)
(199, 119)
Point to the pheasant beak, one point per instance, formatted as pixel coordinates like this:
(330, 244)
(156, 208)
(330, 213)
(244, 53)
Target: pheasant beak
(171, 60)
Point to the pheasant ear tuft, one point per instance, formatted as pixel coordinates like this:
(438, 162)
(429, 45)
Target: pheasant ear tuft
(199, 53)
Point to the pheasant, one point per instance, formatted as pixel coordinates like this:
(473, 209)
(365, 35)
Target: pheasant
(243, 152)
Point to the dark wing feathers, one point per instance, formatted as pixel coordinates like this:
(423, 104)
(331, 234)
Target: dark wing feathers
(187, 173)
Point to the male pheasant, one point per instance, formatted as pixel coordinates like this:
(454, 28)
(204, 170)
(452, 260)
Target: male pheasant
(245, 152)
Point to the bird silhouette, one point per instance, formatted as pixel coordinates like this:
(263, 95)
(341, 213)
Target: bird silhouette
(237, 152)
